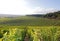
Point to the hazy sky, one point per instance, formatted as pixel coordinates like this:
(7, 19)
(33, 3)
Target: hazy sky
(22, 7)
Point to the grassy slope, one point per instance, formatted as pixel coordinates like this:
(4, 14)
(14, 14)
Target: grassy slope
(29, 21)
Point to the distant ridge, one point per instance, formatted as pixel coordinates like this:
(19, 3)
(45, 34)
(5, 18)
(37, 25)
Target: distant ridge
(51, 15)
(36, 15)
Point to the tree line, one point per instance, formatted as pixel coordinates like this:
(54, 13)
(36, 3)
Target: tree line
(53, 15)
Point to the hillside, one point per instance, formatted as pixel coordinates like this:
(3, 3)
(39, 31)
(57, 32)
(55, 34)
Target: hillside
(54, 15)
(50, 19)
(27, 20)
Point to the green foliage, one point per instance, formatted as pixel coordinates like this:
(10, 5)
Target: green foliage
(54, 15)
(1, 35)
(31, 33)
(4, 31)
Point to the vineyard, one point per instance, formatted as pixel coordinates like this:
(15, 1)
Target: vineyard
(30, 33)
(29, 29)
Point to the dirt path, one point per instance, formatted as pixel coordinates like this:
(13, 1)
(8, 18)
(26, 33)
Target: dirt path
(26, 37)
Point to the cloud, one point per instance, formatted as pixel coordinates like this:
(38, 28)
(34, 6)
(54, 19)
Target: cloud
(20, 7)
(39, 10)
(14, 7)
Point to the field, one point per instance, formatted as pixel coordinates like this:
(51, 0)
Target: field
(29, 29)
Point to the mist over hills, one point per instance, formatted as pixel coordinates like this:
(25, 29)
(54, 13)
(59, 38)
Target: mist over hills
(9, 15)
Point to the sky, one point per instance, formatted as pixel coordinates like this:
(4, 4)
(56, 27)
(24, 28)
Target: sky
(24, 7)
